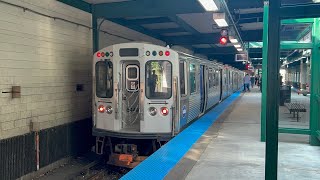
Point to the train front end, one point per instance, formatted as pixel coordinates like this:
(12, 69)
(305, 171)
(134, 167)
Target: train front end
(135, 98)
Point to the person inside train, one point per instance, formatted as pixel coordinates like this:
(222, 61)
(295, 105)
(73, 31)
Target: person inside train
(246, 82)
(153, 82)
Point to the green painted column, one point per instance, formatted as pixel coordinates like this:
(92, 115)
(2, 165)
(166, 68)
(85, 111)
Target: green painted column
(95, 31)
(272, 91)
(264, 70)
(315, 84)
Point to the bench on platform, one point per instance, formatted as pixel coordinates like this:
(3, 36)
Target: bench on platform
(295, 108)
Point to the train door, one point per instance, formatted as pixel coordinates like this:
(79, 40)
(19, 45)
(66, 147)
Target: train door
(184, 99)
(160, 101)
(130, 96)
(202, 89)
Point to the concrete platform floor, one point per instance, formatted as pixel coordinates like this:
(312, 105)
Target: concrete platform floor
(234, 151)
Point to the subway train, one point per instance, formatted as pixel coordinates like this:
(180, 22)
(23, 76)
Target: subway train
(145, 94)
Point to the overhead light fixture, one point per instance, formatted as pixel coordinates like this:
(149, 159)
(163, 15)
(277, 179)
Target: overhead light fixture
(240, 49)
(209, 5)
(233, 40)
(237, 46)
(220, 19)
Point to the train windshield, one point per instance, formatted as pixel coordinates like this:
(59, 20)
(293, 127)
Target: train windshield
(158, 80)
(104, 79)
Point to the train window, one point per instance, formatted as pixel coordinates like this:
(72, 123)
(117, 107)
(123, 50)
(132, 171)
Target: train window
(182, 78)
(132, 72)
(218, 78)
(192, 78)
(158, 79)
(211, 79)
(104, 79)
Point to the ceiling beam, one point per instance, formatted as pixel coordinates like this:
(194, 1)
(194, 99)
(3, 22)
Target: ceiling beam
(250, 20)
(143, 8)
(82, 5)
(300, 11)
(149, 20)
(170, 30)
(137, 28)
(220, 50)
(183, 24)
(252, 35)
(245, 4)
(211, 38)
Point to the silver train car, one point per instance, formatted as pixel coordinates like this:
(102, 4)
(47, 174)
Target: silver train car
(147, 92)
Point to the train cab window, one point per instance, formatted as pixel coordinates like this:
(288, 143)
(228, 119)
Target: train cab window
(158, 79)
(132, 72)
(132, 78)
(192, 78)
(104, 79)
(182, 78)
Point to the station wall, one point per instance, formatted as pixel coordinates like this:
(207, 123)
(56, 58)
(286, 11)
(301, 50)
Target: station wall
(48, 58)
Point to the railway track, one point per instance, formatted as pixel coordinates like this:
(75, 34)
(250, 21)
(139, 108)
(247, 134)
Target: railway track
(85, 168)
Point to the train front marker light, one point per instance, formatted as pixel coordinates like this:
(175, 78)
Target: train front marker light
(101, 109)
(152, 111)
(109, 110)
(164, 111)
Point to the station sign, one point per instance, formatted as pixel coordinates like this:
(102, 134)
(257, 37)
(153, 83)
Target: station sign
(241, 57)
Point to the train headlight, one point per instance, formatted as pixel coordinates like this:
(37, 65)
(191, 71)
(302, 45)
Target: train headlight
(152, 111)
(164, 111)
(109, 110)
(101, 109)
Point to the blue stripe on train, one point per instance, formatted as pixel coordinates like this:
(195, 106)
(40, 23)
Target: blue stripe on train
(159, 164)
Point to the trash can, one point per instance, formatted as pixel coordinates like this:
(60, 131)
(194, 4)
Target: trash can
(285, 94)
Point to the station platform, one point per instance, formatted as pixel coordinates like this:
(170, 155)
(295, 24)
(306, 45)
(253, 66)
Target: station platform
(229, 148)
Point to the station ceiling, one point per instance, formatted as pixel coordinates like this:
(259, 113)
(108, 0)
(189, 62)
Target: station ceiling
(188, 24)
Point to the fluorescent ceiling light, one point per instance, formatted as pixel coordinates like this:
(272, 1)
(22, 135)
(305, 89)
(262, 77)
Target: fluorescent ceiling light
(239, 49)
(221, 22)
(233, 40)
(220, 19)
(209, 5)
(237, 45)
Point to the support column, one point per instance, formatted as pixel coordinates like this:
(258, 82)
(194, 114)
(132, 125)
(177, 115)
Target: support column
(303, 74)
(95, 31)
(264, 70)
(308, 71)
(273, 91)
(315, 85)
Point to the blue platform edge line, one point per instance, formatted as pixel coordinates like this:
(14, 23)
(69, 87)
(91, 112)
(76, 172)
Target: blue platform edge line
(159, 164)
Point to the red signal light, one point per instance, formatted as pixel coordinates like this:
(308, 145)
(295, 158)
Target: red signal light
(223, 40)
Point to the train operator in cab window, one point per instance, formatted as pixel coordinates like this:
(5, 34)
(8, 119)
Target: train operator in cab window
(153, 83)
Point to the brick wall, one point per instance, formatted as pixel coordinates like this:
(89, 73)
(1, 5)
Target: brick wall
(48, 58)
